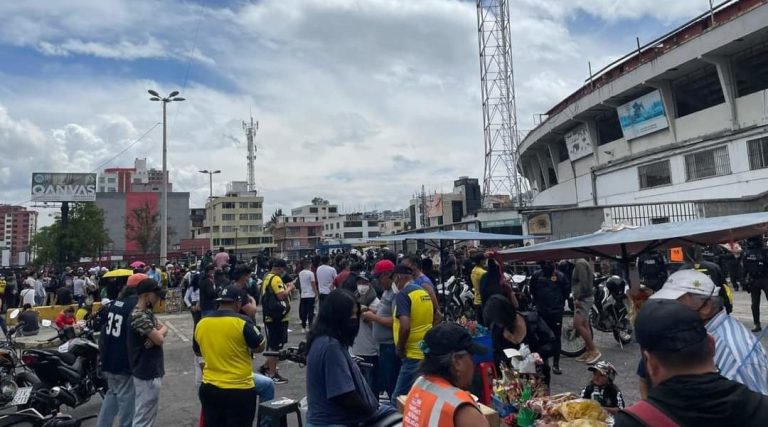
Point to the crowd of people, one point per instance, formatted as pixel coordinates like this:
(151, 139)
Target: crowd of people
(381, 310)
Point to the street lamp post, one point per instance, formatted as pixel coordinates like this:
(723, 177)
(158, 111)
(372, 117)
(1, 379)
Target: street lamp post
(210, 202)
(173, 96)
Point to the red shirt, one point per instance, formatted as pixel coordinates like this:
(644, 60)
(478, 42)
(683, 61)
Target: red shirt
(62, 321)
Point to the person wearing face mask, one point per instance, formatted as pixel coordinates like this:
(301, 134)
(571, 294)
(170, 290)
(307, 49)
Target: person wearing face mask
(337, 392)
(365, 346)
(145, 347)
(511, 328)
(738, 354)
(439, 397)
(381, 319)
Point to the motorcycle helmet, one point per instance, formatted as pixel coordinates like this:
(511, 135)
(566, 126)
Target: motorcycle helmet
(615, 285)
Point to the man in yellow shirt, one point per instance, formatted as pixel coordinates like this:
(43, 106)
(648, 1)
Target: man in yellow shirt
(274, 291)
(475, 277)
(226, 338)
(412, 319)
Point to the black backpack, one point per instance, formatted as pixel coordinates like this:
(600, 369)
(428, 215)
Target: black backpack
(272, 306)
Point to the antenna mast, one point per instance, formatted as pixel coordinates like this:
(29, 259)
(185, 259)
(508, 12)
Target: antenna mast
(501, 174)
(250, 133)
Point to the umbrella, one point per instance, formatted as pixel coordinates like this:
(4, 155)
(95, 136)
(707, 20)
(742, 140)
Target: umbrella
(138, 264)
(121, 272)
(625, 242)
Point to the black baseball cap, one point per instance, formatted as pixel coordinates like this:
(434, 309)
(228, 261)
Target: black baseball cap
(279, 263)
(231, 293)
(668, 325)
(150, 285)
(401, 269)
(447, 338)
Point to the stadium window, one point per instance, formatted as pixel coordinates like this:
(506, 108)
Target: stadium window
(227, 217)
(758, 153)
(228, 205)
(654, 175)
(707, 163)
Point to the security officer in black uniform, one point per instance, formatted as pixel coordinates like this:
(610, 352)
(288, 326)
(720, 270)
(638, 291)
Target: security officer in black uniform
(756, 275)
(652, 269)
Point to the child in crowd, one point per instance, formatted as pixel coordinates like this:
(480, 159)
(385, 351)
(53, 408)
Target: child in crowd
(602, 389)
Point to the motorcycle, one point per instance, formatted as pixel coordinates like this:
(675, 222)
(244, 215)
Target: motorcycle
(459, 298)
(298, 355)
(15, 380)
(608, 314)
(69, 375)
(31, 417)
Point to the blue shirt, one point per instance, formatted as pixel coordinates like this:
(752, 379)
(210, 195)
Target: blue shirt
(331, 372)
(114, 336)
(739, 354)
(424, 282)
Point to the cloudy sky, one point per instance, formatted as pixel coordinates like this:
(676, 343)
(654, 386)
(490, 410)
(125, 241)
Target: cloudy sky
(359, 101)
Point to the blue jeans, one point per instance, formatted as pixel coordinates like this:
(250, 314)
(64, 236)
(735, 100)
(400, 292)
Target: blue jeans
(265, 388)
(408, 373)
(147, 401)
(118, 401)
(389, 368)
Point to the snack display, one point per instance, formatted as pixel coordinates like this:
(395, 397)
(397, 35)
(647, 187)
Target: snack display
(581, 409)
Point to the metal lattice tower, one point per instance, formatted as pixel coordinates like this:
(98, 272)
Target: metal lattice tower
(501, 174)
(250, 133)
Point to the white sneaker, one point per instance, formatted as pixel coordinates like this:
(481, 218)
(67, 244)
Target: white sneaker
(303, 330)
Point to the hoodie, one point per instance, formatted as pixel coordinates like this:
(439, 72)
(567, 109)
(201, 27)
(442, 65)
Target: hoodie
(703, 401)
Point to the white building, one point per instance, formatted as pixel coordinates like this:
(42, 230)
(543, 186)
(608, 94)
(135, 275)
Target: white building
(673, 131)
(350, 228)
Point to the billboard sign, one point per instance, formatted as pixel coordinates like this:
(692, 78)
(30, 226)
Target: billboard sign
(578, 142)
(63, 187)
(642, 116)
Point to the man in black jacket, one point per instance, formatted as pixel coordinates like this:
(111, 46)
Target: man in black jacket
(686, 388)
(550, 289)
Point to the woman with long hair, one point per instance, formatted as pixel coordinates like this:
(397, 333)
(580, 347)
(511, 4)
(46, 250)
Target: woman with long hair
(336, 388)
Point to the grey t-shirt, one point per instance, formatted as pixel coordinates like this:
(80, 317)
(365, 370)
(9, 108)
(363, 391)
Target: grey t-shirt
(383, 334)
(364, 344)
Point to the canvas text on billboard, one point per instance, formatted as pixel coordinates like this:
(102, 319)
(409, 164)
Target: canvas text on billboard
(63, 187)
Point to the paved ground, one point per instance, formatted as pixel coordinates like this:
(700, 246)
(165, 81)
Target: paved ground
(179, 405)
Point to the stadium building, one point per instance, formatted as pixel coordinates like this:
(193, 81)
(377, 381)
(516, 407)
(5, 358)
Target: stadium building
(675, 130)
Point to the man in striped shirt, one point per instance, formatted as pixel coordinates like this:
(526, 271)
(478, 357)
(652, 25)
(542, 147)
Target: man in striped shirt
(739, 355)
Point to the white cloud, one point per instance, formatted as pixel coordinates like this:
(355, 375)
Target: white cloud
(360, 102)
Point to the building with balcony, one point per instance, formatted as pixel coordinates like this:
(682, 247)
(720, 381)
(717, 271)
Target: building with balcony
(675, 130)
(236, 221)
(136, 179)
(17, 227)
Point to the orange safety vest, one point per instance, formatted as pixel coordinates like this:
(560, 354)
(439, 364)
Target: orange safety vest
(432, 402)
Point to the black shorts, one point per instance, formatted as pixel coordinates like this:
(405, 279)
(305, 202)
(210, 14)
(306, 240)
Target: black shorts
(277, 335)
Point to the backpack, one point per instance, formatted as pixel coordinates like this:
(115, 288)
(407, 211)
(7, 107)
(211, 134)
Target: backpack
(272, 306)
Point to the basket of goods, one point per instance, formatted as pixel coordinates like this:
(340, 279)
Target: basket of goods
(512, 394)
(565, 410)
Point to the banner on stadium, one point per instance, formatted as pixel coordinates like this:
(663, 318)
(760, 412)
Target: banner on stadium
(63, 187)
(642, 116)
(578, 142)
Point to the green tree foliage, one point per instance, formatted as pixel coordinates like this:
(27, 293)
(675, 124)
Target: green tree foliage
(278, 213)
(85, 236)
(320, 201)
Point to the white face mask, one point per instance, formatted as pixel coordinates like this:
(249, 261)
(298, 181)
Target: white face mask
(363, 289)
(394, 288)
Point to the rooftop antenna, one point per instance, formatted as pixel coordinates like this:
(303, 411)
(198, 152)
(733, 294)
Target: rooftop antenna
(250, 133)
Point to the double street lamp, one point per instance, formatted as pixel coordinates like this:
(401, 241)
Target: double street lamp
(173, 96)
(210, 201)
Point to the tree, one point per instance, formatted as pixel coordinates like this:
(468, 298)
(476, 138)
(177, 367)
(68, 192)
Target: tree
(85, 236)
(141, 226)
(273, 219)
(319, 201)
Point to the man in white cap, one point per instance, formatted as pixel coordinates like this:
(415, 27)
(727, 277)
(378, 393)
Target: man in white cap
(738, 354)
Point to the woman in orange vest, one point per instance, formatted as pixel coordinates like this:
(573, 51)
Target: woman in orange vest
(439, 397)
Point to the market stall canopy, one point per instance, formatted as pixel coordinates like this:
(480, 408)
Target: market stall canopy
(449, 235)
(121, 272)
(627, 242)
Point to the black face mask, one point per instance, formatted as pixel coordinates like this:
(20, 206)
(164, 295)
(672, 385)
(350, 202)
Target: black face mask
(349, 329)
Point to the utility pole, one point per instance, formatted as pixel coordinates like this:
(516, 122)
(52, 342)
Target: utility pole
(250, 133)
(210, 203)
(172, 97)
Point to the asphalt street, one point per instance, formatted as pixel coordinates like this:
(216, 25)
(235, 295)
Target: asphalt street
(179, 405)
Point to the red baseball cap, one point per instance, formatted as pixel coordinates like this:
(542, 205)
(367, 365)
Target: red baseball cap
(134, 279)
(383, 266)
